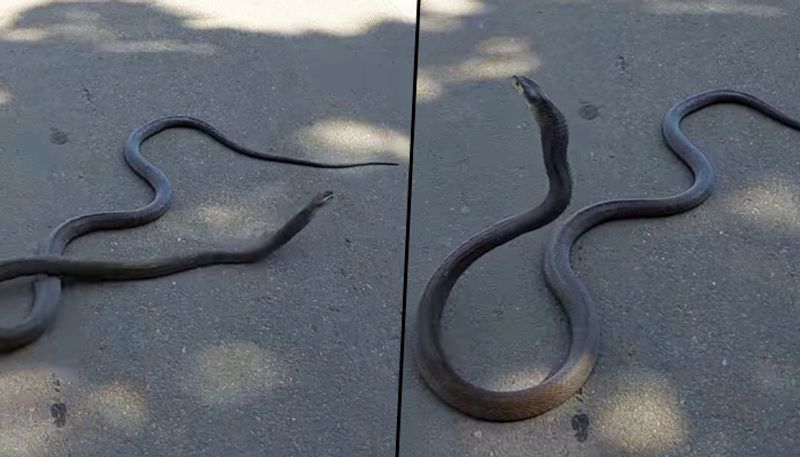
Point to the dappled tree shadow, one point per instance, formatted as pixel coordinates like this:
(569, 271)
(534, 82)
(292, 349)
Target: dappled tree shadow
(296, 355)
(698, 310)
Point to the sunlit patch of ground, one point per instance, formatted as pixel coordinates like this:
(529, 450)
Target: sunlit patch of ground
(26, 422)
(773, 203)
(275, 16)
(354, 139)
(233, 373)
(495, 58)
(642, 413)
(446, 15)
(712, 7)
(118, 405)
(270, 16)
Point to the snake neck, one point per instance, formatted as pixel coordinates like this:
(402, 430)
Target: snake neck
(555, 142)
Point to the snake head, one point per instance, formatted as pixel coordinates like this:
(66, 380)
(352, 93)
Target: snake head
(534, 96)
(321, 198)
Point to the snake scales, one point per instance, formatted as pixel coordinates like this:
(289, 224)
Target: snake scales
(50, 267)
(561, 279)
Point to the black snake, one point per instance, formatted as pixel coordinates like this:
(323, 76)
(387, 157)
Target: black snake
(50, 267)
(562, 280)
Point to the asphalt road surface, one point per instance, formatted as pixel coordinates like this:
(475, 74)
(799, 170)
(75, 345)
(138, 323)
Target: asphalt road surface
(298, 355)
(294, 356)
(698, 312)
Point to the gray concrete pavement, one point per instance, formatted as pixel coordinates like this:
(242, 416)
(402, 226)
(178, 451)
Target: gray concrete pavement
(698, 312)
(297, 355)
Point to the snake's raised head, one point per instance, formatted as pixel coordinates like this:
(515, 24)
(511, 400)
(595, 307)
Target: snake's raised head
(541, 106)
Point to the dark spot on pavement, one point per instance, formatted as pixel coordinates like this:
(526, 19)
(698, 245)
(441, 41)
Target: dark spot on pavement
(58, 137)
(622, 64)
(588, 111)
(59, 413)
(87, 94)
(580, 424)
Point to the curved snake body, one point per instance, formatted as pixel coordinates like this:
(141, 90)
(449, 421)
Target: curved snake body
(562, 280)
(47, 289)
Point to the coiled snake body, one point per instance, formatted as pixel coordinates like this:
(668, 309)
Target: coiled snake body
(47, 289)
(562, 280)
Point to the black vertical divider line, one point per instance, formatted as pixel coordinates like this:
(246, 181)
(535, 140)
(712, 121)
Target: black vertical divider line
(408, 231)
